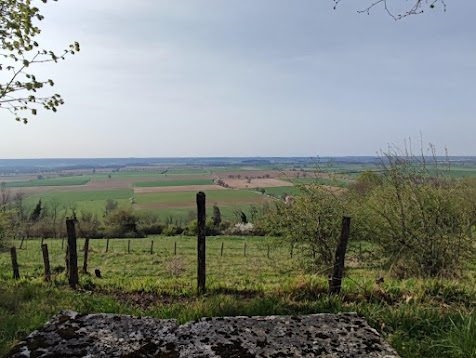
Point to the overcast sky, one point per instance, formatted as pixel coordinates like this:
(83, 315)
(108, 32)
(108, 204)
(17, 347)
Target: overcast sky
(251, 78)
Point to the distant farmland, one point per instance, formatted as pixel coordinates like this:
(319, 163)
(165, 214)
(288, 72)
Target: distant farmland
(182, 182)
(170, 192)
(60, 181)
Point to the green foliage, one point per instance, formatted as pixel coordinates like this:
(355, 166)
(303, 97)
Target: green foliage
(89, 225)
(210, 228)
(121, 223)
(313, 218)
(172, 230)
(5, 228)
(20, 51)
(366, 182)
(110, 206)
(422, 222)
(35, 214)
(216, 216)
(149, 223)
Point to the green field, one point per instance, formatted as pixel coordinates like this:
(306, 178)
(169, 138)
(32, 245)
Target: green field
(92, 201)
(420, 318)
(279, 191)
(187, 199)
(58, 181)
(183, 182)
(179, 205)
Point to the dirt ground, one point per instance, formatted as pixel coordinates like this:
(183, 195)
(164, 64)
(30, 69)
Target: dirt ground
(244, 183)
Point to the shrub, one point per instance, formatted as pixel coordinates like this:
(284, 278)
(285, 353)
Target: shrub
(313, 219)
(210, 228)
(420, 217)
(121, 223)
(149, 223)
(89, 226)
(172, 230)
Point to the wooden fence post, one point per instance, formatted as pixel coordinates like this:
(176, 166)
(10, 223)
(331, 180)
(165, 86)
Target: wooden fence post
(268, 252)
(244, 249)
(151, 247)
(72, 253)
(175, 248)
(107, 244)
(128, 246)
(16, 271)
(338, 271)
(86, 253)
(221, 249)
(46, 261)
(201, 242)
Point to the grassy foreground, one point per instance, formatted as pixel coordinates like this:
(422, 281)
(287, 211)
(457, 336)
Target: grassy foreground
(420, 318)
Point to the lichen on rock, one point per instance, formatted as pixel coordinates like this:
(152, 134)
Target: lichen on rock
(70, 334)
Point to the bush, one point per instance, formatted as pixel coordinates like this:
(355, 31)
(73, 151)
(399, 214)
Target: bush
(89, 226)
(149, 224)
(121, 223)
(313, 219)
(172, 230)
(210, 228)
(421, 219)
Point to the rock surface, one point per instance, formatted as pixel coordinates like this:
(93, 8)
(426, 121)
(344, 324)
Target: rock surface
(70, 334)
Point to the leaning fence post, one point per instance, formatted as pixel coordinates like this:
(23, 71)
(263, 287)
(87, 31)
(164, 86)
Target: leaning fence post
(46, 261)
(72, 253)
(221, 249)
(201, 244)
(16, 271)
(107, 244)
(86, 252)
(338, 271)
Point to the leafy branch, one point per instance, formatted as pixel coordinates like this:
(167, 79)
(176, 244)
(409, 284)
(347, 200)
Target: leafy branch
(19, 87)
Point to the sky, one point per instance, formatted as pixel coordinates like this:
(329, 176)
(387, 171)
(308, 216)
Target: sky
(192, 78)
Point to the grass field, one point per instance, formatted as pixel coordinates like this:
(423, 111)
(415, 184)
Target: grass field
(182, 182)
(420, 318)
(279, 191)
(59, 181)
(90, 201)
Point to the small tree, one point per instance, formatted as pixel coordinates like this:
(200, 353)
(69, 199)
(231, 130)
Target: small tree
(314, 219)
(244, 219)
(122, 223)
(36, 213)
(216, 216)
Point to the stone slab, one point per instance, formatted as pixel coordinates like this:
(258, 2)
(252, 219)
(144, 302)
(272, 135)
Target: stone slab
(70, 334)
